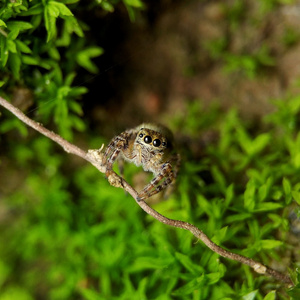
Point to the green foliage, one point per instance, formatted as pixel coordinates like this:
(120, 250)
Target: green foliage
(42, 48)
(249, 64)
(252, 188)
(93, 242)
(245, 57)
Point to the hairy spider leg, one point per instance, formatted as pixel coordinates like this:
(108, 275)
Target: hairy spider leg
(170, 188)
(112, 151)
(114, 148)
(154, 187)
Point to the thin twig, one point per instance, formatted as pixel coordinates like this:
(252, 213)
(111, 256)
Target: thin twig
(91, 156)
(68, 147)
(3, 32)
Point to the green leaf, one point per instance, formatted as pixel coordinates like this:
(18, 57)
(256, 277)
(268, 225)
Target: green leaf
(131, 13)
(270, 244)
(15, 64)
(11, 124)
(249, 195)
(134, 3)
(30, 60)
(11, 46)
(267, 206)
(22, 47)
(50, 23)
(78, 123)
(264, 189)
(260, 143)
(262, 192)
(107, 6)
(71, 1)
(250, 296)
(19, 25)
(190, 287)
(287, 190)
(277, 194)
(61, 8)
(13, 34)
(53, 10)
(4, 272)
(88, 294)
(84, 58)
(54, 53)
(148, 263)
(15, 292)
(198, 283)
(34, 10)
(69, 79)
(2, 23)
(270, 296)
(286, 186)
(220, 235)
(3, 51)
(238, 217)
(63, 92)
(76, 27)
(75, 107)
(188, 264)
(296, 196)
(78, 91)
(229, 195)
(219, 178)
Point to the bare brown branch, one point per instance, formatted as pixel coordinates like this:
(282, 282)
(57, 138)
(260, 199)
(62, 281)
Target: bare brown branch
(95, 158)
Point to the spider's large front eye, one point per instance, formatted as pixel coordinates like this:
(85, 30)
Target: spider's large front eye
(156, 143)
(148, 139)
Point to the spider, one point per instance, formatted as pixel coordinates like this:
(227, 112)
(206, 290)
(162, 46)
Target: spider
(150, 146)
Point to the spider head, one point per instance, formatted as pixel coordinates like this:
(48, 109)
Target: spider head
(152, 138)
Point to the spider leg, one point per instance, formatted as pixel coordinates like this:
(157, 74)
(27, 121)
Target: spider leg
(117, 145)
(154, 187)
(176, 160)
(112, 151)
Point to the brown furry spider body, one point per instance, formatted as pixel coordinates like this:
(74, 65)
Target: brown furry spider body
(150, 146)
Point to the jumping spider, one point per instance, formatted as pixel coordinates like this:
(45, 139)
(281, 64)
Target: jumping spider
(150, 146)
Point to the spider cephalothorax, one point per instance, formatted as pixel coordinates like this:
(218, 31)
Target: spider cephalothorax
(150, 146)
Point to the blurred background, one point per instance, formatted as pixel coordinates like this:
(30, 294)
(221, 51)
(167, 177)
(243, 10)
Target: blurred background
(233, 53)
(222, 75)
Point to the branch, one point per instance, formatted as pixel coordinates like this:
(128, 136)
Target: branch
(95, 158)
(68, 147)
(3, 32)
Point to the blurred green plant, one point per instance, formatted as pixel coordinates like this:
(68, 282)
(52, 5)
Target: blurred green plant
(42, 47)
(249, 64)
(93, 242)
(253, 188)
(241, 45)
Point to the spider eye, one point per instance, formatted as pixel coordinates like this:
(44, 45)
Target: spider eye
(156, 143)
(141, 135)
(164, 144)
(148, 139)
